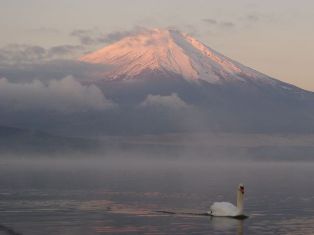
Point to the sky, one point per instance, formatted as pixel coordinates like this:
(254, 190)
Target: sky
(272, 36)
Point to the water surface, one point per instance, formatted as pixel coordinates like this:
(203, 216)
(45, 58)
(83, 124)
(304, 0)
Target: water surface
(95, 196)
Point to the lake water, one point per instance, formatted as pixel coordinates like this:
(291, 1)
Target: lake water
(95, 196)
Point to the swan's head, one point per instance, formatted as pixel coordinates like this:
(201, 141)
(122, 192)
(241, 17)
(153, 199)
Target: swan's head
(241, 188)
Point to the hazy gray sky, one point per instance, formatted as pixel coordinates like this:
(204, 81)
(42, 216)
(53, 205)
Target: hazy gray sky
(273, 36)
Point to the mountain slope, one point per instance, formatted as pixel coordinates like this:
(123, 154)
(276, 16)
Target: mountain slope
(170, 52)
(219, 93)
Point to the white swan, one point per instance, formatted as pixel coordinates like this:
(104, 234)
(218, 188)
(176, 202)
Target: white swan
(226, 209)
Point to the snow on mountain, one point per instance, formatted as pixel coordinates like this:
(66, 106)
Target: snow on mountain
(171, 51)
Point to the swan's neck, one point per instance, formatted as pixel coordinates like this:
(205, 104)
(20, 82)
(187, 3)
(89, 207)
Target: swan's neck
(240, 197)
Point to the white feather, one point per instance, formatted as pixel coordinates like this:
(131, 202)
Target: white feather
(224, 209)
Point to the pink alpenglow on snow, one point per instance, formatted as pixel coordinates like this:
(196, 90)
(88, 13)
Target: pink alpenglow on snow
(170, 51)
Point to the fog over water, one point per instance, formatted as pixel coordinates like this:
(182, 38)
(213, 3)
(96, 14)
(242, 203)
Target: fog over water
(118, 193)
(117, 184)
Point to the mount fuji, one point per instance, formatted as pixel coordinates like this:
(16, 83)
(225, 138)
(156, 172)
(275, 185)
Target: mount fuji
(170, 53)
(164, 67)
(161, 81)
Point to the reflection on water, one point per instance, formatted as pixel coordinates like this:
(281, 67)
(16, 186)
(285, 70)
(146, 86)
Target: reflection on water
(296, 226)
(227, 224)
(94, 197)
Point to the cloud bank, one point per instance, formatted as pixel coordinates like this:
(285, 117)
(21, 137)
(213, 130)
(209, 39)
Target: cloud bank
(89, 37)
(28, 54)
(66, 95)
(172, 101)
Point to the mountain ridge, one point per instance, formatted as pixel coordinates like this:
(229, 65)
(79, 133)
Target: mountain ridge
(172, 52)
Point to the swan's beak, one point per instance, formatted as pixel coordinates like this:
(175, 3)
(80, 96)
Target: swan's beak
(242, 190)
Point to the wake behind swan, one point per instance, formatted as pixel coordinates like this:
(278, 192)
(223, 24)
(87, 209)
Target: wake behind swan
(219, 209)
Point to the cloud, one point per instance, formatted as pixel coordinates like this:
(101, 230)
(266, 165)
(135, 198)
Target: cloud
(227, 24)
(89, 37)
(63, 50)
(171, 102)
(219, 24)
(16, 53)
(210, 21)
(253, 18)
(26, 54)
(116, 36)
(53, 70)
(66, 95)
(86, 36)
(191, 29)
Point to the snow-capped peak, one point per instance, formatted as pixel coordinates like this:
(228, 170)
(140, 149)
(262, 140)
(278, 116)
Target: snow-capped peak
(171, 51)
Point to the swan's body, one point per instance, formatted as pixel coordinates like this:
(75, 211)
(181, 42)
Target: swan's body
(224, 209)
(227, 209)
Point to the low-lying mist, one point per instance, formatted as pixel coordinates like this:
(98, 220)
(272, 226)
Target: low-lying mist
(139, 173)
(180, 147)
